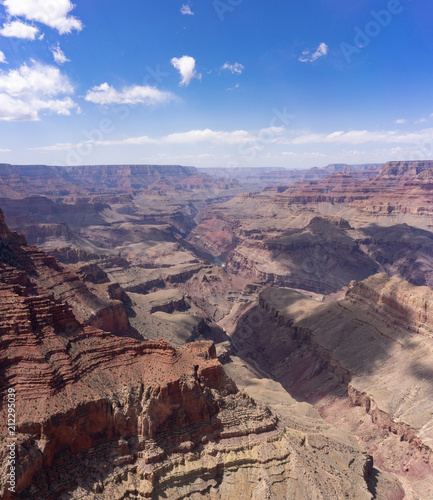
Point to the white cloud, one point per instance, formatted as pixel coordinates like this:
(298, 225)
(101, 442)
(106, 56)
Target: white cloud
(59, 56)
(400, 121)
(208, 135)
(272, 135)
(136, 141)
(5, 150)
(291, 154)
(34, 80)
(27, 91)
(2, 58)
(186, 10)
(191, 137)
(186, 67)
(64, 146)
(18, 29)
(136, 94)
(421, 120)
(56, 147)
(234, 68)
(307, 56)
(13, 109)
(365, 136)
(54, 13)
(233, 88)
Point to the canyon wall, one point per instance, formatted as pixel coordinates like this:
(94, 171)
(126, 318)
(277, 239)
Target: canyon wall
(371, 349)
(114, 417)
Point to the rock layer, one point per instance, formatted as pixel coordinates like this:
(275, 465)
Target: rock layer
(371, 349)
(110, 417)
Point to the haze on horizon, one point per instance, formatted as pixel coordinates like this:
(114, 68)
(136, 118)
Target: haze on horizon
(223, 83)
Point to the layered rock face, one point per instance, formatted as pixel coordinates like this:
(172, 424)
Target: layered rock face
(142, 212)
(19, 181)
(109, 417)
(94, 306)
(399, 188)
(328, 254)
(279, 179)
(322, 257)
(363, 361)
(319, 235)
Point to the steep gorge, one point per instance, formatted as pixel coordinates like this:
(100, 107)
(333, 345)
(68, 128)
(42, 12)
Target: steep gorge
(369, 350)
(103, 416)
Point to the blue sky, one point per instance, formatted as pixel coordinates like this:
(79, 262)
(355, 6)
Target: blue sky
(215, 82)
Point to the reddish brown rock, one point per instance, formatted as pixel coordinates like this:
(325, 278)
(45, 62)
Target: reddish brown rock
(108, 416)
(363, 361)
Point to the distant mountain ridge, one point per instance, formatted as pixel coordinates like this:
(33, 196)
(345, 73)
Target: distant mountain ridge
(19, 181)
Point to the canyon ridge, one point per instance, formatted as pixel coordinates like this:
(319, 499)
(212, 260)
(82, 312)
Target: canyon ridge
(175, 332)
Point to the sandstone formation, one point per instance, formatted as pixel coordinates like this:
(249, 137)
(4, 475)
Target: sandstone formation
(258, 179)
(108, 417)
(142, 261)
(19, 181)
(322, 257)
(400, 189)
(297, 238)
(372, 350)
(97, 305)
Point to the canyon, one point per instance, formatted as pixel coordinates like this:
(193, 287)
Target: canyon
(174, 332)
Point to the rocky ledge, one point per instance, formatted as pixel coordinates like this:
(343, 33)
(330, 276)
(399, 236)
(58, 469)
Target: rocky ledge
(372, 349)
(110, 417)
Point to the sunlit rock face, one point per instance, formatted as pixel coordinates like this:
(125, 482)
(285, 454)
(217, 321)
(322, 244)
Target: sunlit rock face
(363, 361)
(109, 415)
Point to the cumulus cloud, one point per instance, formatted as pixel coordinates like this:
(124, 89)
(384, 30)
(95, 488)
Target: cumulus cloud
(2, 58)
(18, 29)
(186, 10)
(28, 90)
(235, 68)
(13, 109)
(106, 94)
(37, 79)
(59, 56)
(54, 13)
(186, 67)
(400, 121)
(308, 56)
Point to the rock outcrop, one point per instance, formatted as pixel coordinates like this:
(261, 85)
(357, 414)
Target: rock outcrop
(19, 181)
(372, 350)
(321, 258)
(286, 238)
(93, 306)
(102, 416)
